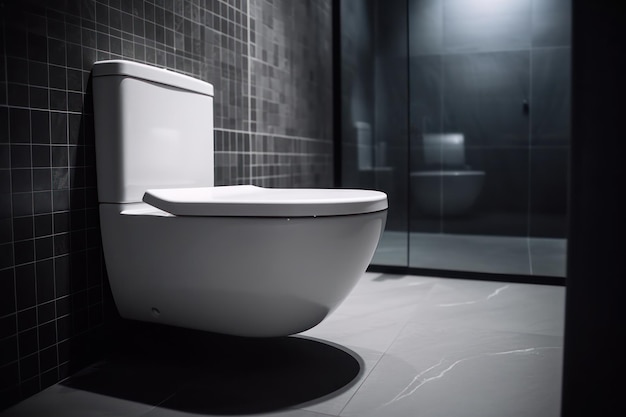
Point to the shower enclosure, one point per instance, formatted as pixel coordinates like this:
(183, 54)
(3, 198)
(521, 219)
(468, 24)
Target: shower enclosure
(459, 110)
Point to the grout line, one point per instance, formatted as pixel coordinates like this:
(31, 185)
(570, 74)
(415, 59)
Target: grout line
(276, 135)
(249, 132)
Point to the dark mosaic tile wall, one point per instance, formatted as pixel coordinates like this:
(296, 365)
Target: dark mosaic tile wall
(270, 63)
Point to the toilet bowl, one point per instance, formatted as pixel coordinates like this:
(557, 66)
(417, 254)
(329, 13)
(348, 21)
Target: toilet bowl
(447, 186)
(240, 260)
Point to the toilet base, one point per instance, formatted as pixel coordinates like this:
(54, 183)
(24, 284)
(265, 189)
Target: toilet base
(257, 277)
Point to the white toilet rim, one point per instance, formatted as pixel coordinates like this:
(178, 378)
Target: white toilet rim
(253, 201)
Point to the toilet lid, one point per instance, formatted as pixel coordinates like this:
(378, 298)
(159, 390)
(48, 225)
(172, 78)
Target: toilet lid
(253, 201)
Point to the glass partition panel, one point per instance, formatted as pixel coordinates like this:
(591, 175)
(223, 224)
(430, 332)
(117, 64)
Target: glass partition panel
(459, 110)
(374, 97)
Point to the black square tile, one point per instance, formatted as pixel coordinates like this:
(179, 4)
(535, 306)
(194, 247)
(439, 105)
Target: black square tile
(5, 161)
(41, 126)
(24, 251)
(27, 319)
(20, 156)
(63, 309)
(76, 157)
(102, 41)
(51, 376)
(21, 180)
(42, 179)
(8, 354)
(16, 41)
(61, 222)
(5, 190)
(37, 48)
(58, 101)
(60, 181)
(20, 125)
(29, 387)
(61, 244)
(59, 156)
(76, 122)
(7, 292)
(43, 248)
(58, 127)
(56, 51)
(43, 225)
(38, 74)
(4, 125)
(8, 326)
(75, 79)
(38, 98)
(17, 70)
(41, 156)
(29, 366)
(6, 230)
(73, 32)
(45, 279)
(22, 228)
(28, 342)
(18, 95)
(25, 286)
(22, 204)
(46, 312)
(42, 202)
(74, 104)
(64, 350)
(74, 56)
(56, 28)
(48, 336)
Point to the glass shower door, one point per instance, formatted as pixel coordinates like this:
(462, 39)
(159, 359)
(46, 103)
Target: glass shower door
(374, 102)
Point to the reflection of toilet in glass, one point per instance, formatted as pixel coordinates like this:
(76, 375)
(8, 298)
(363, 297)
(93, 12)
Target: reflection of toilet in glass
(446, 185)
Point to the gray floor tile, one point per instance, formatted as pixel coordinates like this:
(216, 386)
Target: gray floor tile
(59, 400)
(424, 346)
(524, 308)
(441, 372)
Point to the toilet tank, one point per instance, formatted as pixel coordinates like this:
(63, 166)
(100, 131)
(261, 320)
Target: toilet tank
(154, 129)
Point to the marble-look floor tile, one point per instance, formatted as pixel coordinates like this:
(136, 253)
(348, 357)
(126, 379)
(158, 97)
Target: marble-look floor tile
(440, 372)
(524, 308)
(165, 412)
(59, 400)
(415, 346)
(333, 404)
(373, 315)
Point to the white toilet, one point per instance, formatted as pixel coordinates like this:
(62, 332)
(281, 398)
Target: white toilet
(446, 186)
(240, 260)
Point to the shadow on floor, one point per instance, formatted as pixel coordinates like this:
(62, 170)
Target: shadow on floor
(200, 372)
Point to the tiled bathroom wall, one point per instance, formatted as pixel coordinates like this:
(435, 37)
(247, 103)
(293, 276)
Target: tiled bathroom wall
(270, 63)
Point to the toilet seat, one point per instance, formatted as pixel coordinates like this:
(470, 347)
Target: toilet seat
(253, 201)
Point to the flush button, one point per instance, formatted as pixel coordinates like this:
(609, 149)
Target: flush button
(155, 312)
